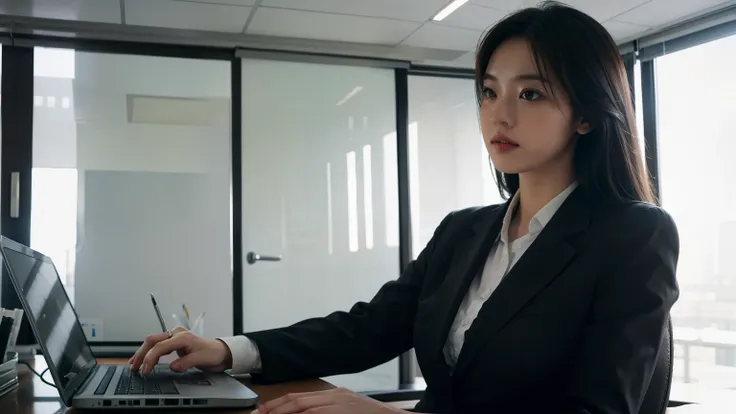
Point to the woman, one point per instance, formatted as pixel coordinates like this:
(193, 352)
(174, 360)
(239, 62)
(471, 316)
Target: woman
(556, 301)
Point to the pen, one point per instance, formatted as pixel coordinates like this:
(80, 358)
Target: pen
(158, 313)
(186, 311)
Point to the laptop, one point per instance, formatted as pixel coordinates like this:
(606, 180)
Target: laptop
(81, 381)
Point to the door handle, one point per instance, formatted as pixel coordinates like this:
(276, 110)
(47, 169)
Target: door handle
(14, 194)
(252, 257)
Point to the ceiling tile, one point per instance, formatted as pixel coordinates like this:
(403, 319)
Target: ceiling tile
(466, 60)
(436, 36)
(186, 15)
(417, 11)
(506, 5)
(101, 11)
(621, 30)
(662, 12)
(598, 9)
(323, 26)
(604, 10)
(442, 63)
(227, 2)
(471, 16)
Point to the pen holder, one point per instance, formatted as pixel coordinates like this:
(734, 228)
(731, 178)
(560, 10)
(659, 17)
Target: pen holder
(196, 326)
(9, 373)
(180, 320)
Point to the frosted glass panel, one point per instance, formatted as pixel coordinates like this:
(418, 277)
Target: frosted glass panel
(131, 187)
(448, 163)
(315, 193)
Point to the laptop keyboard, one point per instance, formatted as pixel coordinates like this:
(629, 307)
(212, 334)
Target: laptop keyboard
(135, 384)
(157, 382)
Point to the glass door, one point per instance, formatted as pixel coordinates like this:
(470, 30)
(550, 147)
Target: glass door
(320, 196)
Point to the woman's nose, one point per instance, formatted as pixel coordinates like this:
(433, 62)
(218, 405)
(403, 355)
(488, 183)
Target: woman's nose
(502, 113)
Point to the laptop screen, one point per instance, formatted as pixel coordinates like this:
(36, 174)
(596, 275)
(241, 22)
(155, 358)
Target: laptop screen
(55, 321)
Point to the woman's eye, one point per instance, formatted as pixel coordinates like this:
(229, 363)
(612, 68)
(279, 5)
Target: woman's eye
(488, 93)
(531, 95)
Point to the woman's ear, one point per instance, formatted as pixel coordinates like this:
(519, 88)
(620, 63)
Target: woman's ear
(583, 128)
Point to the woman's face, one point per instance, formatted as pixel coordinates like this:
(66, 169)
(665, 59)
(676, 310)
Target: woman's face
(525, 125)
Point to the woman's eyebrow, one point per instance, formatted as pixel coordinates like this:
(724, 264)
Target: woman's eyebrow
(525, 76)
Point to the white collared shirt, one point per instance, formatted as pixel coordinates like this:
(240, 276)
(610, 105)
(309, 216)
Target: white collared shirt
(502, 258)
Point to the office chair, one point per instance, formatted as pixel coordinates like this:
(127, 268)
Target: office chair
(656, 399)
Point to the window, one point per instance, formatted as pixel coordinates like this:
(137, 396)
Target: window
(695, 95)
(131, 173)
(639, 109)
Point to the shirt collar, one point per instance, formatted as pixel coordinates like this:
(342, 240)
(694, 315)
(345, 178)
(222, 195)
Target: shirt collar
(543, 216)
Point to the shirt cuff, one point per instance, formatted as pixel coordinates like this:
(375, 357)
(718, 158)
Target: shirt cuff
(246, 358)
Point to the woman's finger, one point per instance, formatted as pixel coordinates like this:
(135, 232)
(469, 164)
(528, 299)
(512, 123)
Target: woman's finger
(150, 341)
(164, 348)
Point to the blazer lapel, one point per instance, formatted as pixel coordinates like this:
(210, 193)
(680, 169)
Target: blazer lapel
(540, 264)
(469, 255)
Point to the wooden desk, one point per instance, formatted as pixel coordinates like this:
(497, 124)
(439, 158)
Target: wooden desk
(698, 409)
(34, 397)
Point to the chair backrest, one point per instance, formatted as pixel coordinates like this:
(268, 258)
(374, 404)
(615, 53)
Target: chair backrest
(658, 393)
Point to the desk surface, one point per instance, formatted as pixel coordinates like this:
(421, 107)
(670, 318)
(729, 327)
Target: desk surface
(34, 397)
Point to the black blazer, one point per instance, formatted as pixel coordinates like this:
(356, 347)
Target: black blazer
(575, 327)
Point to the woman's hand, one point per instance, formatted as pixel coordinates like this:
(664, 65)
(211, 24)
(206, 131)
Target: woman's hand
(336, 401)
(194, 352)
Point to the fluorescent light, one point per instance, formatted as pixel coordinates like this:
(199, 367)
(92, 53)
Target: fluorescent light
(350, 95)
(449, 9)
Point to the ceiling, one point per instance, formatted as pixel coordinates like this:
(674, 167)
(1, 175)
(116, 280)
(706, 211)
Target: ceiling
(399, 24)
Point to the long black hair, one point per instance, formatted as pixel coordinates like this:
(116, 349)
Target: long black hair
(578, 50)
